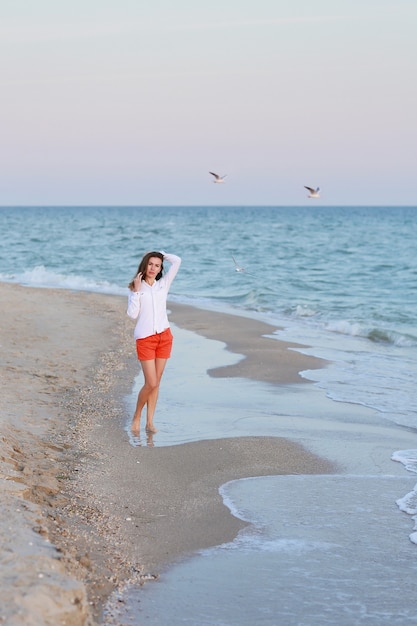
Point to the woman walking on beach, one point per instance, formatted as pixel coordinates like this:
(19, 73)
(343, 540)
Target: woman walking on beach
(147, 304)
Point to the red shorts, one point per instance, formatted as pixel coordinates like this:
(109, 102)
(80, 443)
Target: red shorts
(156, 346)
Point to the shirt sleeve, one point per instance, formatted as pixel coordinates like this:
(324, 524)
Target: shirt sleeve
(133, 304)
(173, 270)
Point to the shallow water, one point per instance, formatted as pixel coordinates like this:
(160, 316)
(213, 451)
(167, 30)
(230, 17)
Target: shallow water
(320, 550)
(194, 406)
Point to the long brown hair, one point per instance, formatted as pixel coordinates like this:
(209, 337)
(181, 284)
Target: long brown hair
(144, 264)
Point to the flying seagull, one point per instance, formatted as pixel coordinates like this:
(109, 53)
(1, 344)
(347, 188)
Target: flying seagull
(217, 178)
(238, 268)
(314, 193)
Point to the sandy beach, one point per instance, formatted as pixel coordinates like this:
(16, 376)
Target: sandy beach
(83, 511)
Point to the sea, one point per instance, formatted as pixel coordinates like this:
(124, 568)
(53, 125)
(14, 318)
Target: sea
(340, 282)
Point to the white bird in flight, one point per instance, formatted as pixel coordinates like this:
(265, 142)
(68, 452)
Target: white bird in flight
(238, 268)
(217, 178)
(314, 193)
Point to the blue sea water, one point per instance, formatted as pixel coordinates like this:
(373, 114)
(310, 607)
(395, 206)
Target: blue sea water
(339, 280)
(342, 280)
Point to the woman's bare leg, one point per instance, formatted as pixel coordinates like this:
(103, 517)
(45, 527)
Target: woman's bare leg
(152, 371)
(149, 373)
(153, 396)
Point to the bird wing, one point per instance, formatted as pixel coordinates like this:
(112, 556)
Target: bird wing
(311, 190)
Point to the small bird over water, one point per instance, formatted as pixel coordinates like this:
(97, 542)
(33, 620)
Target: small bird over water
(217, 178)
(238, 268)
(314, 193)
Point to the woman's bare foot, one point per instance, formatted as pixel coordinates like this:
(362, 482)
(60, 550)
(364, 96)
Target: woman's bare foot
(135, 426)
(150, 428)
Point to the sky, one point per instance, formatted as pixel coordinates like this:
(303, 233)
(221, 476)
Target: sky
(134, 102)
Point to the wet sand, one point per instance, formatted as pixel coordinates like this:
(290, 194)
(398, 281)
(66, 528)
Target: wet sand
(266, 359)
(89, 511)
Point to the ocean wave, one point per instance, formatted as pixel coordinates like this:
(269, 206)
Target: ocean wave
(304, 311)
(244, 302)
(391, 336)
(41, 277)
(376, 335)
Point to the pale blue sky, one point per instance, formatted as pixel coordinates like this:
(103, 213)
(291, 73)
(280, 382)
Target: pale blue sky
(133, 102)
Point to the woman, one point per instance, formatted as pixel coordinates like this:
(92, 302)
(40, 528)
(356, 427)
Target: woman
(147, 303)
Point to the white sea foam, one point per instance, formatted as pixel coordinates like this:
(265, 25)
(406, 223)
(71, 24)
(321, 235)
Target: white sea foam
(251, 542)
(408, 458)
(408, 504)
(376, 375)
(41, 277)
(304, 311)
(345, 328)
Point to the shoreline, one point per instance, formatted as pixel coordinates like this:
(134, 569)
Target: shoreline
(82, 478)
(265, 359)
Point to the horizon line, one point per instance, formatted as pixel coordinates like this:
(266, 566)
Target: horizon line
(132, 206)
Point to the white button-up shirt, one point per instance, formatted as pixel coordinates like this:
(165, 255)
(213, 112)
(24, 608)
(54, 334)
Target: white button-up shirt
(148, 305)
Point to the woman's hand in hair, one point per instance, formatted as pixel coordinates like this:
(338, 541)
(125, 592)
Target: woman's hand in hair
(137, 282)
